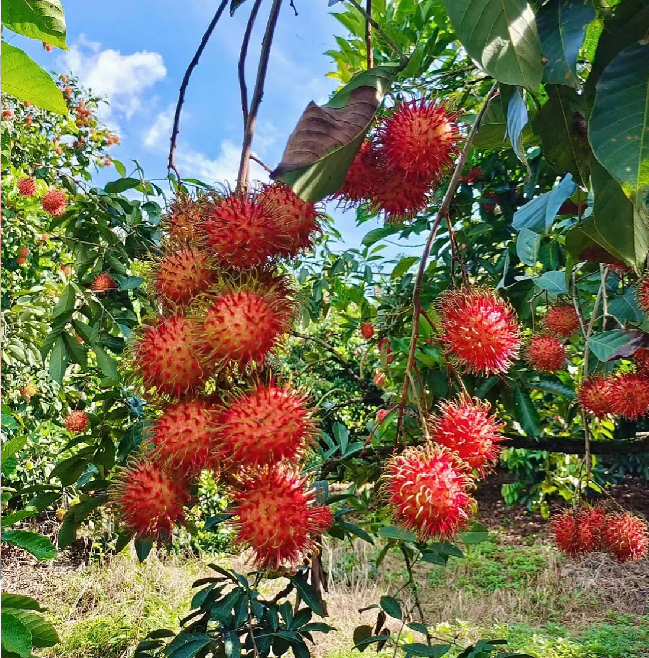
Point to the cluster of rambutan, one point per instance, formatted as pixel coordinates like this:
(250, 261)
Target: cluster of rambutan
(577, 532)
(546, 350)
(223, 310)
(397, 168)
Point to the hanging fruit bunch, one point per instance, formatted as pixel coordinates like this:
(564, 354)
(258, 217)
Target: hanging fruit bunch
(223, 308)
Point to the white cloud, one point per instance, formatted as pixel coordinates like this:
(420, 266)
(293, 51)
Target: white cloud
(157, 136)
(122, 79)
(223, 169)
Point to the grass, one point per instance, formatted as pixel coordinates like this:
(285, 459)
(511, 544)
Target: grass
(527, 594)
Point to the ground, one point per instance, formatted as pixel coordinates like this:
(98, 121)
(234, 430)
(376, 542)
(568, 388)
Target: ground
(514, 586)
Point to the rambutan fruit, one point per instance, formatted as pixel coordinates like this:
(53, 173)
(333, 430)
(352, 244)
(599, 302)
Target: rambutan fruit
(297, 219)
(150, 500)
(277, 517)
(27, 187)
(184, 217)
(363, 179)
(626, 537)
(245, 230)
(642, 292)
(367, 330)
(641, 359)
(546, 353)
(381, 415)
(54, 202)
(21, 260)
(181, 275)
(28, 391)
(401, 196)
(619, 268)
(379, 379)
(23, 252)
(243, 323)
(265, 425)
(384, 348)
(467, 427)
(562, 320)
(479, 329)
(77, 421)
(628, 395)
(591, 526)
(167, 357)
(103, 282)
(419, 138)
(565, 532)
(593, 395)
(427, 489)
(185, 436)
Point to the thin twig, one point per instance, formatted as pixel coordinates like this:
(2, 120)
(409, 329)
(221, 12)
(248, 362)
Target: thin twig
(368, 35)
(379, 29)
(413, 587)
(242, 59)
(441, 214)
(185, 83)
(251, 123)
(260, 162)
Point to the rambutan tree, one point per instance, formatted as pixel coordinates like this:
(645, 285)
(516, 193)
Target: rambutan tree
(517, 326)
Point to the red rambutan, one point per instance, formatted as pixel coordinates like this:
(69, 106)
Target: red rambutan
(103, 282)
(479, 329)
(593, 395)
(184, 437)
(642, 292)
(626, 537)
(641, 358)
(278, 519)
(167, 357)
(419, 138)
(28, 391)
(245, 230)
(27, 187)
(183, 274)
(243, 324)
(367, 330)
(184, 216)
(23, 252)
(591, 525)
(565, 532)
(628, 395)
(384, 348)
(297, 219)
(265, 425)
(427, 488)
(54, 202)
(149, 499)
(562, 320)
(401, 195)
(546, 353)
(379, 379)
(363, 179)
(77, 422)
(467, 427)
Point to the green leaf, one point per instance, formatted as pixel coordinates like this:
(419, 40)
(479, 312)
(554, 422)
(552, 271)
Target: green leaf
(615, 223)
(42, 20)
(107, 364)
(142, 548)
(554, 282)
(326, 139)
(65, 303)
(187, 645)
(403, 266)
(121, 185)
(16, 637)
(554, 387)
(379, 233)
(38, 545)
(20, 601)
(424, 651)
(75, 516)
(391, 532)
(562, 28)
(501, 36)
(58, 359)
(391, 606)
(433, 557)
(618, 124)
(625, 307)
(473, 537)
(69, 470)
(516, 122)
(606, 344)
(526, 412)
(130, 282)
(23, 78)
(539, 213)
(10, 448)
(121, 169)
(561, 125)
(308, 594)
(12, 519)
(8, 422)
(43, 633)
(528, 244)
(492, 133)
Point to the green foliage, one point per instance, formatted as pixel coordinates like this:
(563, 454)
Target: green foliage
(22, 627)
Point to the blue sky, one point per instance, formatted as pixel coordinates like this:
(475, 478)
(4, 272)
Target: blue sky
(135, 52)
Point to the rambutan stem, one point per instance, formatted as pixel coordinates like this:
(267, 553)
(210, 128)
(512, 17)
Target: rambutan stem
(251, 123)
(185, 83)
(441, 214)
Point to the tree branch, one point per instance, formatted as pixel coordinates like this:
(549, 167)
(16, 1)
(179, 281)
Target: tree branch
(368, 35)
(242, 59)
(249, 130)
(441, 214)
(185, 83)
